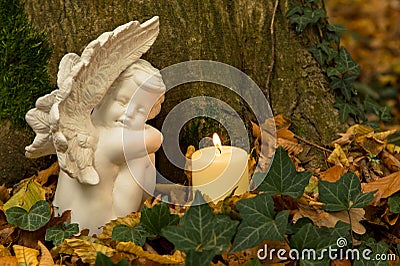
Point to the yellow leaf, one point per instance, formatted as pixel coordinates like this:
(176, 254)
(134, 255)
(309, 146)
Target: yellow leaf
(26, 256)
(392, 148)
(338, 156)
(4, 251)
(85, 250)
(28, 193)
(46, 259)
(130, 247)
(359, 130)
(130, 220)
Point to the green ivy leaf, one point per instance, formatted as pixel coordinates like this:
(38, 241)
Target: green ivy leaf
(300, 22)
(282, 177)
(37, 217)
(343, 194)
(345, 61)
(103, 260)
(314, 240)
(57, 234)
(199, 258)
(375, 249)
(318, 54)
(136, 234)
(200, 233)
(259, 222)
(155, 218)
(339, 29)
(373, 107)
(314, 14)
(296, 9)
(394, 203)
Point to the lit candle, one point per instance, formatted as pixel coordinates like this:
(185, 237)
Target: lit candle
(217, 170)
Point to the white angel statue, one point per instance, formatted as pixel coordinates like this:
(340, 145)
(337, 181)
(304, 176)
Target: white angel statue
(96, 124)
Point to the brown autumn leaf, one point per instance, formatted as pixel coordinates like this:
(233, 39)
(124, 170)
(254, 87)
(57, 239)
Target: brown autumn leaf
(6, 235)
(289, 146)
(386, 186)
(255, 130)
(333, 174)
(43, 176)
(281, 122)
(8, 261)
(329, 219)
(4, 194)
(45, 259)
(390, 161)
(338, 156)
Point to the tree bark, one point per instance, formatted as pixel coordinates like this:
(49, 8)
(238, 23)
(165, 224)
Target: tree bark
(235, 32)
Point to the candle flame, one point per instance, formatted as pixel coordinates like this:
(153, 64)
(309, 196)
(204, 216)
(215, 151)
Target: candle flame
(217, 144)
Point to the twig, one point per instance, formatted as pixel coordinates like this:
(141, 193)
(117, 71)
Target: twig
(272, 62)
(312, 144)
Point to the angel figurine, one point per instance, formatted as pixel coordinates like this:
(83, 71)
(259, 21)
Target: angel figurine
(96, 124)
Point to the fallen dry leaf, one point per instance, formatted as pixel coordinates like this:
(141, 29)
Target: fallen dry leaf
(386, 186)
(43, 176)
(390, 161)
(130, 247)
(8, 261)
(45, 259)
(289, 146)
(26, 256)
(281, 122)
(4, 194)
(329, 219)
(84, 249)
(338, 156)
(333, 174)
(129, 220)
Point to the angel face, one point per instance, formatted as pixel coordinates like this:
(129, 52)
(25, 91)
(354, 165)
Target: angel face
(134, 98)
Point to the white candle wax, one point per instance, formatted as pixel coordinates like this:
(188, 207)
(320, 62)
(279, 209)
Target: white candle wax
(216, 173)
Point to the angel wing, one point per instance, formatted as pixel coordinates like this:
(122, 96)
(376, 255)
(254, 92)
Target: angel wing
(62, 119)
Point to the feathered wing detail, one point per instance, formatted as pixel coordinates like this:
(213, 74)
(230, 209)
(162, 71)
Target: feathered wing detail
(64, 120)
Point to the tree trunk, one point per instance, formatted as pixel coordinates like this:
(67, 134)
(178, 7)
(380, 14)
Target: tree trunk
(235, 32)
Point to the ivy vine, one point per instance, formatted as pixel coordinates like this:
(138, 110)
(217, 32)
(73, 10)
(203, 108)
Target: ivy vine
(341, 69)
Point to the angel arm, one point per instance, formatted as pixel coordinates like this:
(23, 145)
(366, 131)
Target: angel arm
(122, 144)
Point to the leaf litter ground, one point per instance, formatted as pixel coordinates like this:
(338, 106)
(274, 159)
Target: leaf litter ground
(355, 196)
